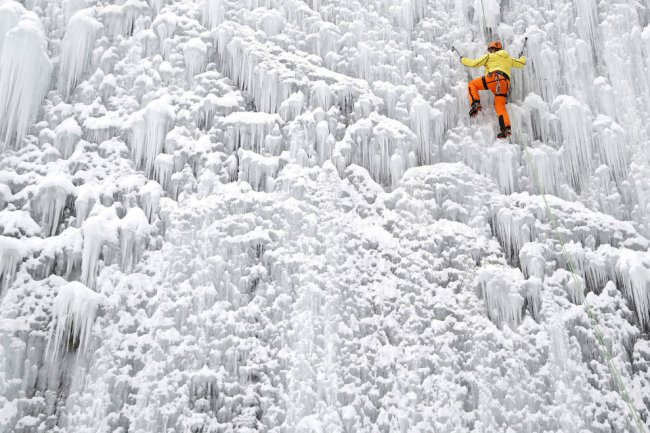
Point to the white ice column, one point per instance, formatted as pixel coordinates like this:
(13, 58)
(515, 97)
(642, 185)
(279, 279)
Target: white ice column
(543, 169)
(259, 171)
(503, 163)
(12, 252)
(195, 54)
(513, 227)
(133, 231)
(67, 135)
(428, 125)
(213, 12)
(76, 49)
(25, 72)
(633, 271)
(49, 201)
(577, 138)
(99, 229)
(73, 316)
(532, 260)
(612, 145)
(501, 288)
(149, 127)
(150, 195)
(248, 129)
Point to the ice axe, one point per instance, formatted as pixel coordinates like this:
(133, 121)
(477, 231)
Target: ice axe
(521, 53)
(457, 52)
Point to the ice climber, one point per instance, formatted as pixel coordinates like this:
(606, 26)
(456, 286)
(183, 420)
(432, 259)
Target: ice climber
(497, 64)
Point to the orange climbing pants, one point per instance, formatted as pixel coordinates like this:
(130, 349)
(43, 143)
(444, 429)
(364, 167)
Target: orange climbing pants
(499, 85)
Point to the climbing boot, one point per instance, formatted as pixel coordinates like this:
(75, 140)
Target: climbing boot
(476, 107)
(505, 132)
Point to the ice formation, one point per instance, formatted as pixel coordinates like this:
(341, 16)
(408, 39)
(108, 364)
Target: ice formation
(275, 216)
(99, 231)
(68, 134)
(76, 49)
(74, 310)
(49, 201)
(501, 288)
(25, 70)
(149, 127)
(11, 253)
(195, 53)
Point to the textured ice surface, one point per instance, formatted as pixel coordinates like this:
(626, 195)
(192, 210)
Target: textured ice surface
(275, 216)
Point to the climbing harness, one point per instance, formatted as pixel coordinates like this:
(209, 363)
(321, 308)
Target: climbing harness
(594, 320)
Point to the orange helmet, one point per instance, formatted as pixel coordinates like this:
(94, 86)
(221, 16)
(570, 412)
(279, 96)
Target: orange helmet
(495, 45)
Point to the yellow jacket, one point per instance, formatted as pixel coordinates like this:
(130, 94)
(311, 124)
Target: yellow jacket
(499, 61)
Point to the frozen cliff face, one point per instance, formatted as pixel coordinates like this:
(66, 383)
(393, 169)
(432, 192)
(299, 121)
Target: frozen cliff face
(275, 216)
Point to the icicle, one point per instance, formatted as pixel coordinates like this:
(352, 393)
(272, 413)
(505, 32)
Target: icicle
(87, 196)
(68, 134)
(156, 5)
(612, 144)
(213, 12)
(532, 291)
(133, 231)
(204, 387)
(421, 124)
(575, 287)
(73, 316)
(543, 169)
(576, 133)
(501, 288)
(596, 276)
(10, 13)
(249, 129)
(257, 170)
(559, 344)
(5, 195)
(531, 258)
(195, 54)
(97, 230)
(292, 106)
(12, 252)
(101, 129)
(72, 6)
(76, 49)
(397, 169)
(513, 227)
(163, 169)
(148, 130)
(633, 271)
(504, 160)
(371, 143)
(572, 257)
(49, 201)
(150, 195)
(320, 95)
(25, 71)
(271, 23)
(274, 143)
(164, 27)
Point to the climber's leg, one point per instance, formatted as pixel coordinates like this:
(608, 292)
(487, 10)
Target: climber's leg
(474, 86)
(502, 113)
(500, 87)
(474, 97)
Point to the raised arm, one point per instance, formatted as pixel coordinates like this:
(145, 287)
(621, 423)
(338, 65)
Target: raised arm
(519, 63)
(475, 63)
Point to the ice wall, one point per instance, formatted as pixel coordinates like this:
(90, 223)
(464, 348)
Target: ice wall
(276, 216)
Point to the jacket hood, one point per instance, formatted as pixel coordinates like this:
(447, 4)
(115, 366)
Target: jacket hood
(502, 53)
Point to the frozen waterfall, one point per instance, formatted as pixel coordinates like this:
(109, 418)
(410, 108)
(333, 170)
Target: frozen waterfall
(277, 216)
